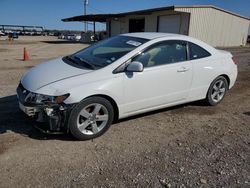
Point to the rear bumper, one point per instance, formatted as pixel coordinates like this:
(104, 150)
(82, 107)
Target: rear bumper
(233, 76)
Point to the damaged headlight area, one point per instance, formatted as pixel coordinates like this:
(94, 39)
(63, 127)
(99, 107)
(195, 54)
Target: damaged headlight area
(45, 99)
(45, 108)
(52, 110)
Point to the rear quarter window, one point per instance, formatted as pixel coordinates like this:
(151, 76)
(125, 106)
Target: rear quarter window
(197, 52)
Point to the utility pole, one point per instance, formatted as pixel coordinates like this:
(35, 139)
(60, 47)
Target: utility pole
(86, 2)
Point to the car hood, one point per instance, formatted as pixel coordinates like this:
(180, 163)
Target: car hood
(50, 72)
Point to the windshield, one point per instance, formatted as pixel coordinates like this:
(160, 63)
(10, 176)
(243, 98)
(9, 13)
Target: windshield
(106, 52)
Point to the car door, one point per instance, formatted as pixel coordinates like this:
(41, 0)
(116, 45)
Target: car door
(166, 78)
(204, 71)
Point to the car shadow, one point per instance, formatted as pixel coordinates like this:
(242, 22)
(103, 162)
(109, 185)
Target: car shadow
(12, 119)
(247, 113)
(196, 103)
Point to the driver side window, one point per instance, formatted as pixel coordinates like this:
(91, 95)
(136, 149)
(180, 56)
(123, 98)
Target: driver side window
(163, 53)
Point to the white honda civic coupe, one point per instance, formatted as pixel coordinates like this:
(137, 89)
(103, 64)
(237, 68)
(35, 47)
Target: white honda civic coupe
(125, 75)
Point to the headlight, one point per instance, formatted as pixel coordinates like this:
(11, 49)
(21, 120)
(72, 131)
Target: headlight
(41, 99)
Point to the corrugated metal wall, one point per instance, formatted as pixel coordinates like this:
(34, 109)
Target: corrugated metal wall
(121, 25)
(216, 27)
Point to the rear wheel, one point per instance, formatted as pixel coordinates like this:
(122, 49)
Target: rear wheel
(91, 118)
(217, 91)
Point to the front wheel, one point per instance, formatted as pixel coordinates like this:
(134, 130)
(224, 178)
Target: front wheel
(91, 118)
(217, 91)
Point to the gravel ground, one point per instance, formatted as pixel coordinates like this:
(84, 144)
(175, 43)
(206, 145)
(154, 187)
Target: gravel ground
(189, 145)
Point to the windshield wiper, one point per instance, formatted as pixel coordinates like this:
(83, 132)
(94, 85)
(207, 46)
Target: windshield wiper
(86, 62)
(69, 58)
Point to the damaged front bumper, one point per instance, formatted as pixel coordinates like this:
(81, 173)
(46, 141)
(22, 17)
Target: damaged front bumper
(54, 115)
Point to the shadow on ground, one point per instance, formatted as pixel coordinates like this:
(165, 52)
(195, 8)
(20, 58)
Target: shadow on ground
(247, 113)
(12, 119)
(174, 109)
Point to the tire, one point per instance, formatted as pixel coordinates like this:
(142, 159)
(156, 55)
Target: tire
(217, 91)
(91, 118)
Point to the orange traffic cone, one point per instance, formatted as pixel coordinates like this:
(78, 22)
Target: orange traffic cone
(25, 55)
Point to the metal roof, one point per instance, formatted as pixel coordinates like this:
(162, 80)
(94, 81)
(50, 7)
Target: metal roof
(90, 17)
(214, 7)
(104, 17)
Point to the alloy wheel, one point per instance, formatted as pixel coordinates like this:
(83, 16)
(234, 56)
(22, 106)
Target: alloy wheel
(218, 91)
(92, 119)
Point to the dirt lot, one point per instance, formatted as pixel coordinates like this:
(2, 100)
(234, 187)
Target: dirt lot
(186, 146)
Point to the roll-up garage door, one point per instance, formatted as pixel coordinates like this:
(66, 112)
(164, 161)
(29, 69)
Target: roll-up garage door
(169, 24)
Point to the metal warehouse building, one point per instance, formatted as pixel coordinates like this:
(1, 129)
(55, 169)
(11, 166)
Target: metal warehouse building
(211, 24)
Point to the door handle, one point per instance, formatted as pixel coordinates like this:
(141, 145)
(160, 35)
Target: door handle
(183, 69)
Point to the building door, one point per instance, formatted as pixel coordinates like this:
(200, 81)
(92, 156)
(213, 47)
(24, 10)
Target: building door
(169, 24)
(136, 25)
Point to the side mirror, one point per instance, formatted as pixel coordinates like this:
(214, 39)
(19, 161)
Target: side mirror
(135, 66)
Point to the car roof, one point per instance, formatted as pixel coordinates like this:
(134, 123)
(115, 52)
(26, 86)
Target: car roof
(151, 35)
(166, 36)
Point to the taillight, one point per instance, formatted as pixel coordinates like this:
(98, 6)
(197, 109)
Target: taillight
(234, 61)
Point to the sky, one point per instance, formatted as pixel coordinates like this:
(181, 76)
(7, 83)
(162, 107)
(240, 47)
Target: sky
(48, 13)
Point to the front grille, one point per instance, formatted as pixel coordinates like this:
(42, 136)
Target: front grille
(22, 93)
